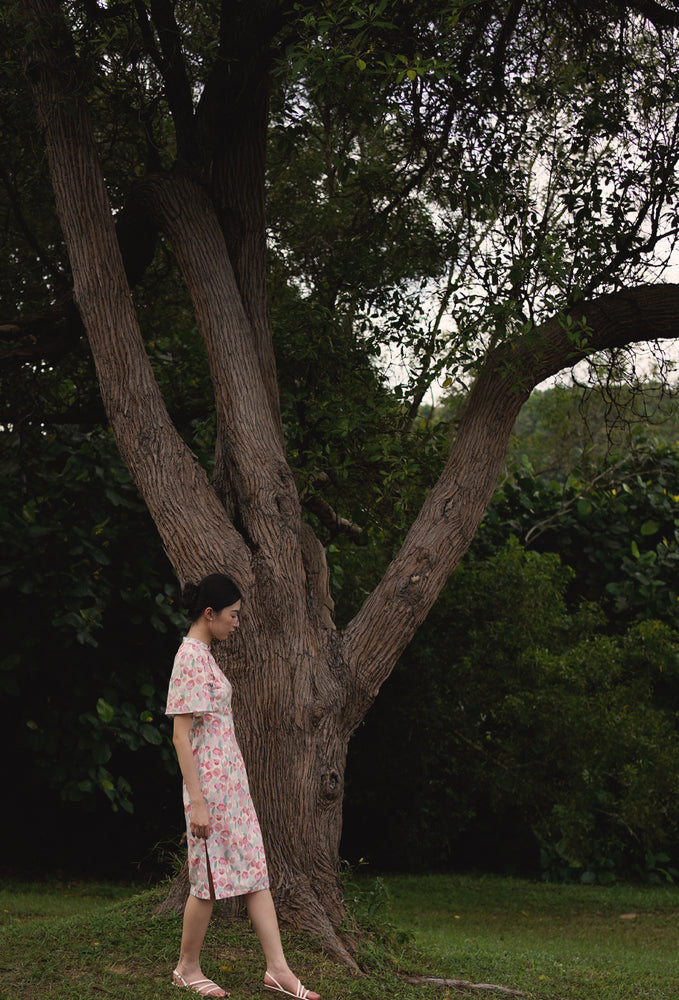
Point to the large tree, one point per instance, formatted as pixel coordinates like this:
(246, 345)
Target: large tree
(504, 170)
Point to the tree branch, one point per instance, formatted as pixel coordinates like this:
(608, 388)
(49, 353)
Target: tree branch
(325, 512)
(445, 527)
(656, 13)
(250, 457)
(170, 63)
(330, 519)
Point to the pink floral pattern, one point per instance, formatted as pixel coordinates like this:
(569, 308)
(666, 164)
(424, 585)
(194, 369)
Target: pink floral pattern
(236, 853)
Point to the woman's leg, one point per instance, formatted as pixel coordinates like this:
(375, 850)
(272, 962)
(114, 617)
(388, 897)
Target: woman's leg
(197, 915)
(262, 913)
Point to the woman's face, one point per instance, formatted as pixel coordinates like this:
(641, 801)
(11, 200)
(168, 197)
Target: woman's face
(223, 623)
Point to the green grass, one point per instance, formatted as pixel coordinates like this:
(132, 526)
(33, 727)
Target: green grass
(71, 941)
(565, 941)
(21, 901)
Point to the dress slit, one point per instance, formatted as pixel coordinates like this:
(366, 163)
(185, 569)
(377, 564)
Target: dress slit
(208, 866)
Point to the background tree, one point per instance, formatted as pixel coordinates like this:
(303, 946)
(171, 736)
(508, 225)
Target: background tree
(605, 502)
(471, 107)
(540, 731)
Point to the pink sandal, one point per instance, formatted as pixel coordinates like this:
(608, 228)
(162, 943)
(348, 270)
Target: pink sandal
(300, 994)
(204, 987)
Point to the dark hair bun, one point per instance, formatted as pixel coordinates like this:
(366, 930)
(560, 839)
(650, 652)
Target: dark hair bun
(216, 591)
(189, 594)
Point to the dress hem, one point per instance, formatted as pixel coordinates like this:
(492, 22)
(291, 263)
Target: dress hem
(233, 895)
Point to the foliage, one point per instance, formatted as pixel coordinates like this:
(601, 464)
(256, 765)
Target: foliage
(349, 443)
(532, 710)
(427, 216)
(77, 569)
(617, 530)
(510, 712)
(591, 726)
(569, 430)
(490, 205)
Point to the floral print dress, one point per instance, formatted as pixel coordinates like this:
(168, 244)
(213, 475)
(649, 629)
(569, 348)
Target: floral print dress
(234, 847)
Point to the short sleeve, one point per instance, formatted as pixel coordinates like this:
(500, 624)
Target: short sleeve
(190, 692)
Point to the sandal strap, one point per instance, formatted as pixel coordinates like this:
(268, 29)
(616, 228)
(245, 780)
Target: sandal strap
(203, 987)
(300, 991)
(199, 985)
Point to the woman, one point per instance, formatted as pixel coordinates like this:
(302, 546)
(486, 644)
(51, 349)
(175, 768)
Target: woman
(226, 854)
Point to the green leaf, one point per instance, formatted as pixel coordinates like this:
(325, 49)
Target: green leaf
(105, 711)
(151, 734)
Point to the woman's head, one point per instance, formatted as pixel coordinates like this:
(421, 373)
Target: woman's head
(214, 592)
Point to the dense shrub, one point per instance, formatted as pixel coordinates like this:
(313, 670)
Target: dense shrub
(517, 734)
(94, 625)
(618, 532)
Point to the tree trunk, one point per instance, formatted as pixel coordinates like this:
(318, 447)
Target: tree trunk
(290, 710)
(290, 696)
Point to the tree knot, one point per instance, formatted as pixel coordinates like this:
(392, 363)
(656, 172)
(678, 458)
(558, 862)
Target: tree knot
(331, 784)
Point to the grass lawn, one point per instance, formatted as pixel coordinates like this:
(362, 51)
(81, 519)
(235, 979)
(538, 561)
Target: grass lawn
(551, 940)
(72, 941)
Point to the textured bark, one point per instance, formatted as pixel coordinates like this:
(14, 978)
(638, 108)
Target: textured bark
(300, 686)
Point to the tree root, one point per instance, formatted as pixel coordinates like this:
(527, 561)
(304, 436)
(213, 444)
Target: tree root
(461, 984)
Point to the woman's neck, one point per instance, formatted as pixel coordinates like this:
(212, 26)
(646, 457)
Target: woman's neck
(199, 630)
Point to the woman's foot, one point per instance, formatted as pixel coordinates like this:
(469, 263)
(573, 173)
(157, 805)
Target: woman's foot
(198, 984)
(286, 982)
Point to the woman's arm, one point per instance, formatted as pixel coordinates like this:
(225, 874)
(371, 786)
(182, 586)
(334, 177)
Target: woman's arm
(200, 820)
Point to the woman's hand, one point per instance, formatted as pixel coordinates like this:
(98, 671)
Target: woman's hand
(200, 820)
